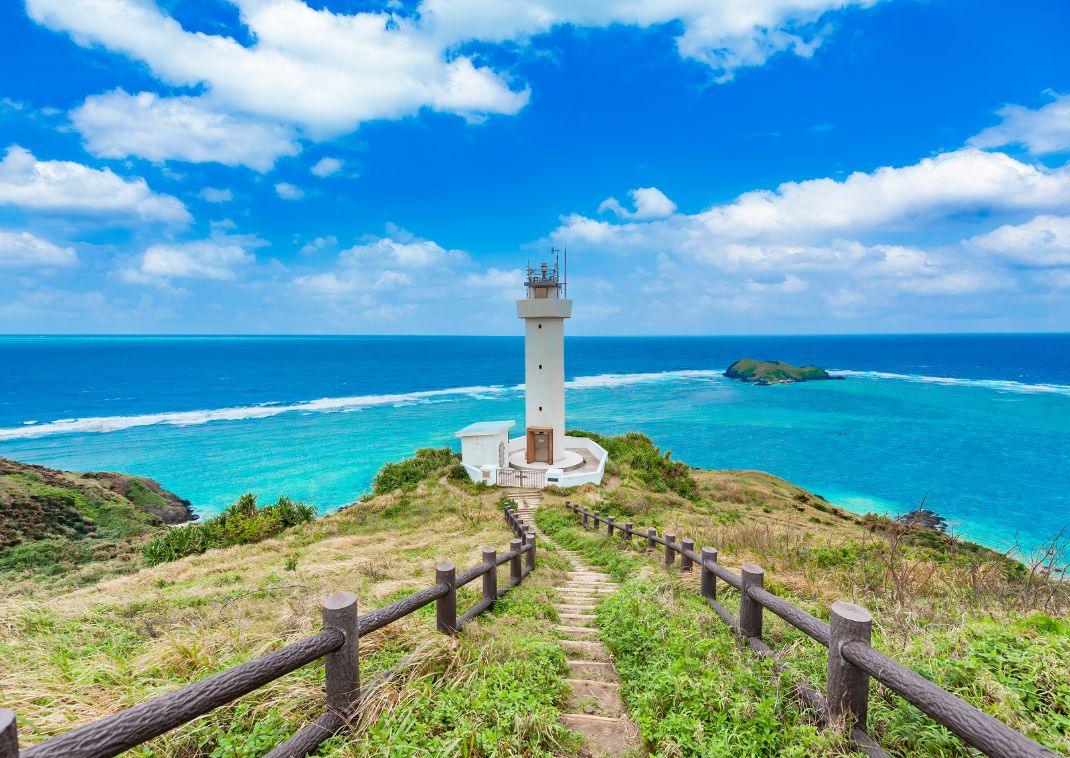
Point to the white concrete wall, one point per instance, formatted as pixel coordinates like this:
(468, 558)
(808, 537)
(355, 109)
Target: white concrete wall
(482, 450)
(544, 366)
(575, 479)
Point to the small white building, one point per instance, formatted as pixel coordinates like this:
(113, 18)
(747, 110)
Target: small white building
(484, 446)
(543, 455)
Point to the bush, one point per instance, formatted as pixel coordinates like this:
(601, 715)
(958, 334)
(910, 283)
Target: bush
(636, 455)
(426, 465)
(240, 524)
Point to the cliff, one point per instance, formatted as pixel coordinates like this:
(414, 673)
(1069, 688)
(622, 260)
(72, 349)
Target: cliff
(39, 503)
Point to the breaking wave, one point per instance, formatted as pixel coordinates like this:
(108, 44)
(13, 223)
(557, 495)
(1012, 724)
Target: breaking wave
(102, 424)
(1000, 385)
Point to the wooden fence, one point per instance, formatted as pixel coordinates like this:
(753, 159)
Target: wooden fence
(851, 660)
(337, 643)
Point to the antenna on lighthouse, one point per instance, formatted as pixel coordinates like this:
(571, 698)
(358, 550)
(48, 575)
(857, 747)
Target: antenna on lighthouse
(565, 277)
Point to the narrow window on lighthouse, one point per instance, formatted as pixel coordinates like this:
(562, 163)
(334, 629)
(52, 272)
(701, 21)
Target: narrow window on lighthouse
(540, 365)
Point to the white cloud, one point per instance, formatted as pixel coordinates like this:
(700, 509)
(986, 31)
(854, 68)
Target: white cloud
(328, 166)
(508, 281)
(649, 202)
(117, 125)
(775, 253)
(288, 191)
(1042, 131)
(25, 250)
(963, 181)
(411, 254)
(319, 243)
(218, 258)
(68, 187)
(1042, 242)
(215, 195)
(328, 72)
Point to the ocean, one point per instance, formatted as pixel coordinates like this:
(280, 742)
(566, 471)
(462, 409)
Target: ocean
(976, 426)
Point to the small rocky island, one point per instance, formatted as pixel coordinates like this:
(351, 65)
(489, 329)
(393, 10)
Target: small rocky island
(775, 372)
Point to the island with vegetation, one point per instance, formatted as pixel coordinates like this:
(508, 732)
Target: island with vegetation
(775, 372)
(989, 627)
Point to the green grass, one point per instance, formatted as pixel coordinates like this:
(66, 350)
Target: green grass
(673, 655)
(428, 464)
(634, 456)
(240, 524)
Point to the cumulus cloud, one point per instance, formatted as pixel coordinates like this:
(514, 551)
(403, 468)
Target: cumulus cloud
(288, 191)
(1042, 131)
(215, 195)
(772, 252)
(649, 202)
(25, 250)
(118, 125)
(73, 188)
(1042, 242)
(217, 258)
(326, 72)
(889, 198)
(327, 166)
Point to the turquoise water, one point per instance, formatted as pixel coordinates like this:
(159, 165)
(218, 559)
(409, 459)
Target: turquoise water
(987, 449)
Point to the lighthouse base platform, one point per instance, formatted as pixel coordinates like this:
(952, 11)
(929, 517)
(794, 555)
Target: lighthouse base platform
(570, 461)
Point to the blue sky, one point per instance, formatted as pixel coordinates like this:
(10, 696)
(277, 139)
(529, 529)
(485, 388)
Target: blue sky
(714, 167)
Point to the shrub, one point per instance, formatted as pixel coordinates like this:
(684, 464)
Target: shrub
(636, 455)
(240, 524)
(426, 465)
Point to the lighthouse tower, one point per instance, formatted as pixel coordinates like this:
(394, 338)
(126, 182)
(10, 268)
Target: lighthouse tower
(542, 455)
(544, 311)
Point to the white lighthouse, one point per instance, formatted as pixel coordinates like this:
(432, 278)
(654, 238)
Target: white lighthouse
(544, 311)
(543, 455)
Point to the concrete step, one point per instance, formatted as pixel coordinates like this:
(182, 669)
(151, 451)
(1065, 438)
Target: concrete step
(588, 650)
(576, 619)
(601, 671)
(595, 698)
(580, 632)
(604, 736)
(575, 608)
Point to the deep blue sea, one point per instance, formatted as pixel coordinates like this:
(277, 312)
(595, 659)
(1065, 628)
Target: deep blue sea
(978, 426)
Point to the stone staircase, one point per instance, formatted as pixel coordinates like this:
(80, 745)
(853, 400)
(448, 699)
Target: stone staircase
(596, 708)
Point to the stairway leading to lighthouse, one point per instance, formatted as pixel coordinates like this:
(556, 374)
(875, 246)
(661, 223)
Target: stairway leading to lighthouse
(596, 710)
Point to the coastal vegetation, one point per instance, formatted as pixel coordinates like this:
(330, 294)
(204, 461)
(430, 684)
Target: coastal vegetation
(989, 627)
(239, 524)
(60, 526)
(774, 372)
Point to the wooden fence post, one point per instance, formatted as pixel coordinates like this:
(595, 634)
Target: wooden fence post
(609, 526)
(9, 736)
(446, 606)
(514, 564)
(670, 556)
(531, 553)
(490, 579)
(651, 533)
(628, 530)
(848, 685)
(342, 667)
(584, 519)
(597, 518)
(750, 612)
(709, 579)
(685, 562)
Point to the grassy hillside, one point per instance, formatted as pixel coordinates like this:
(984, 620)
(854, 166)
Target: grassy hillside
(974, 621)
(987, 627)
(61, 523)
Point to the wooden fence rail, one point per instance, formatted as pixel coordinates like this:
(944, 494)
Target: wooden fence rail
(851, 659)
(337, 643)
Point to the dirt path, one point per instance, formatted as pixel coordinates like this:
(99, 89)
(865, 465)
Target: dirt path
(596, 708)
